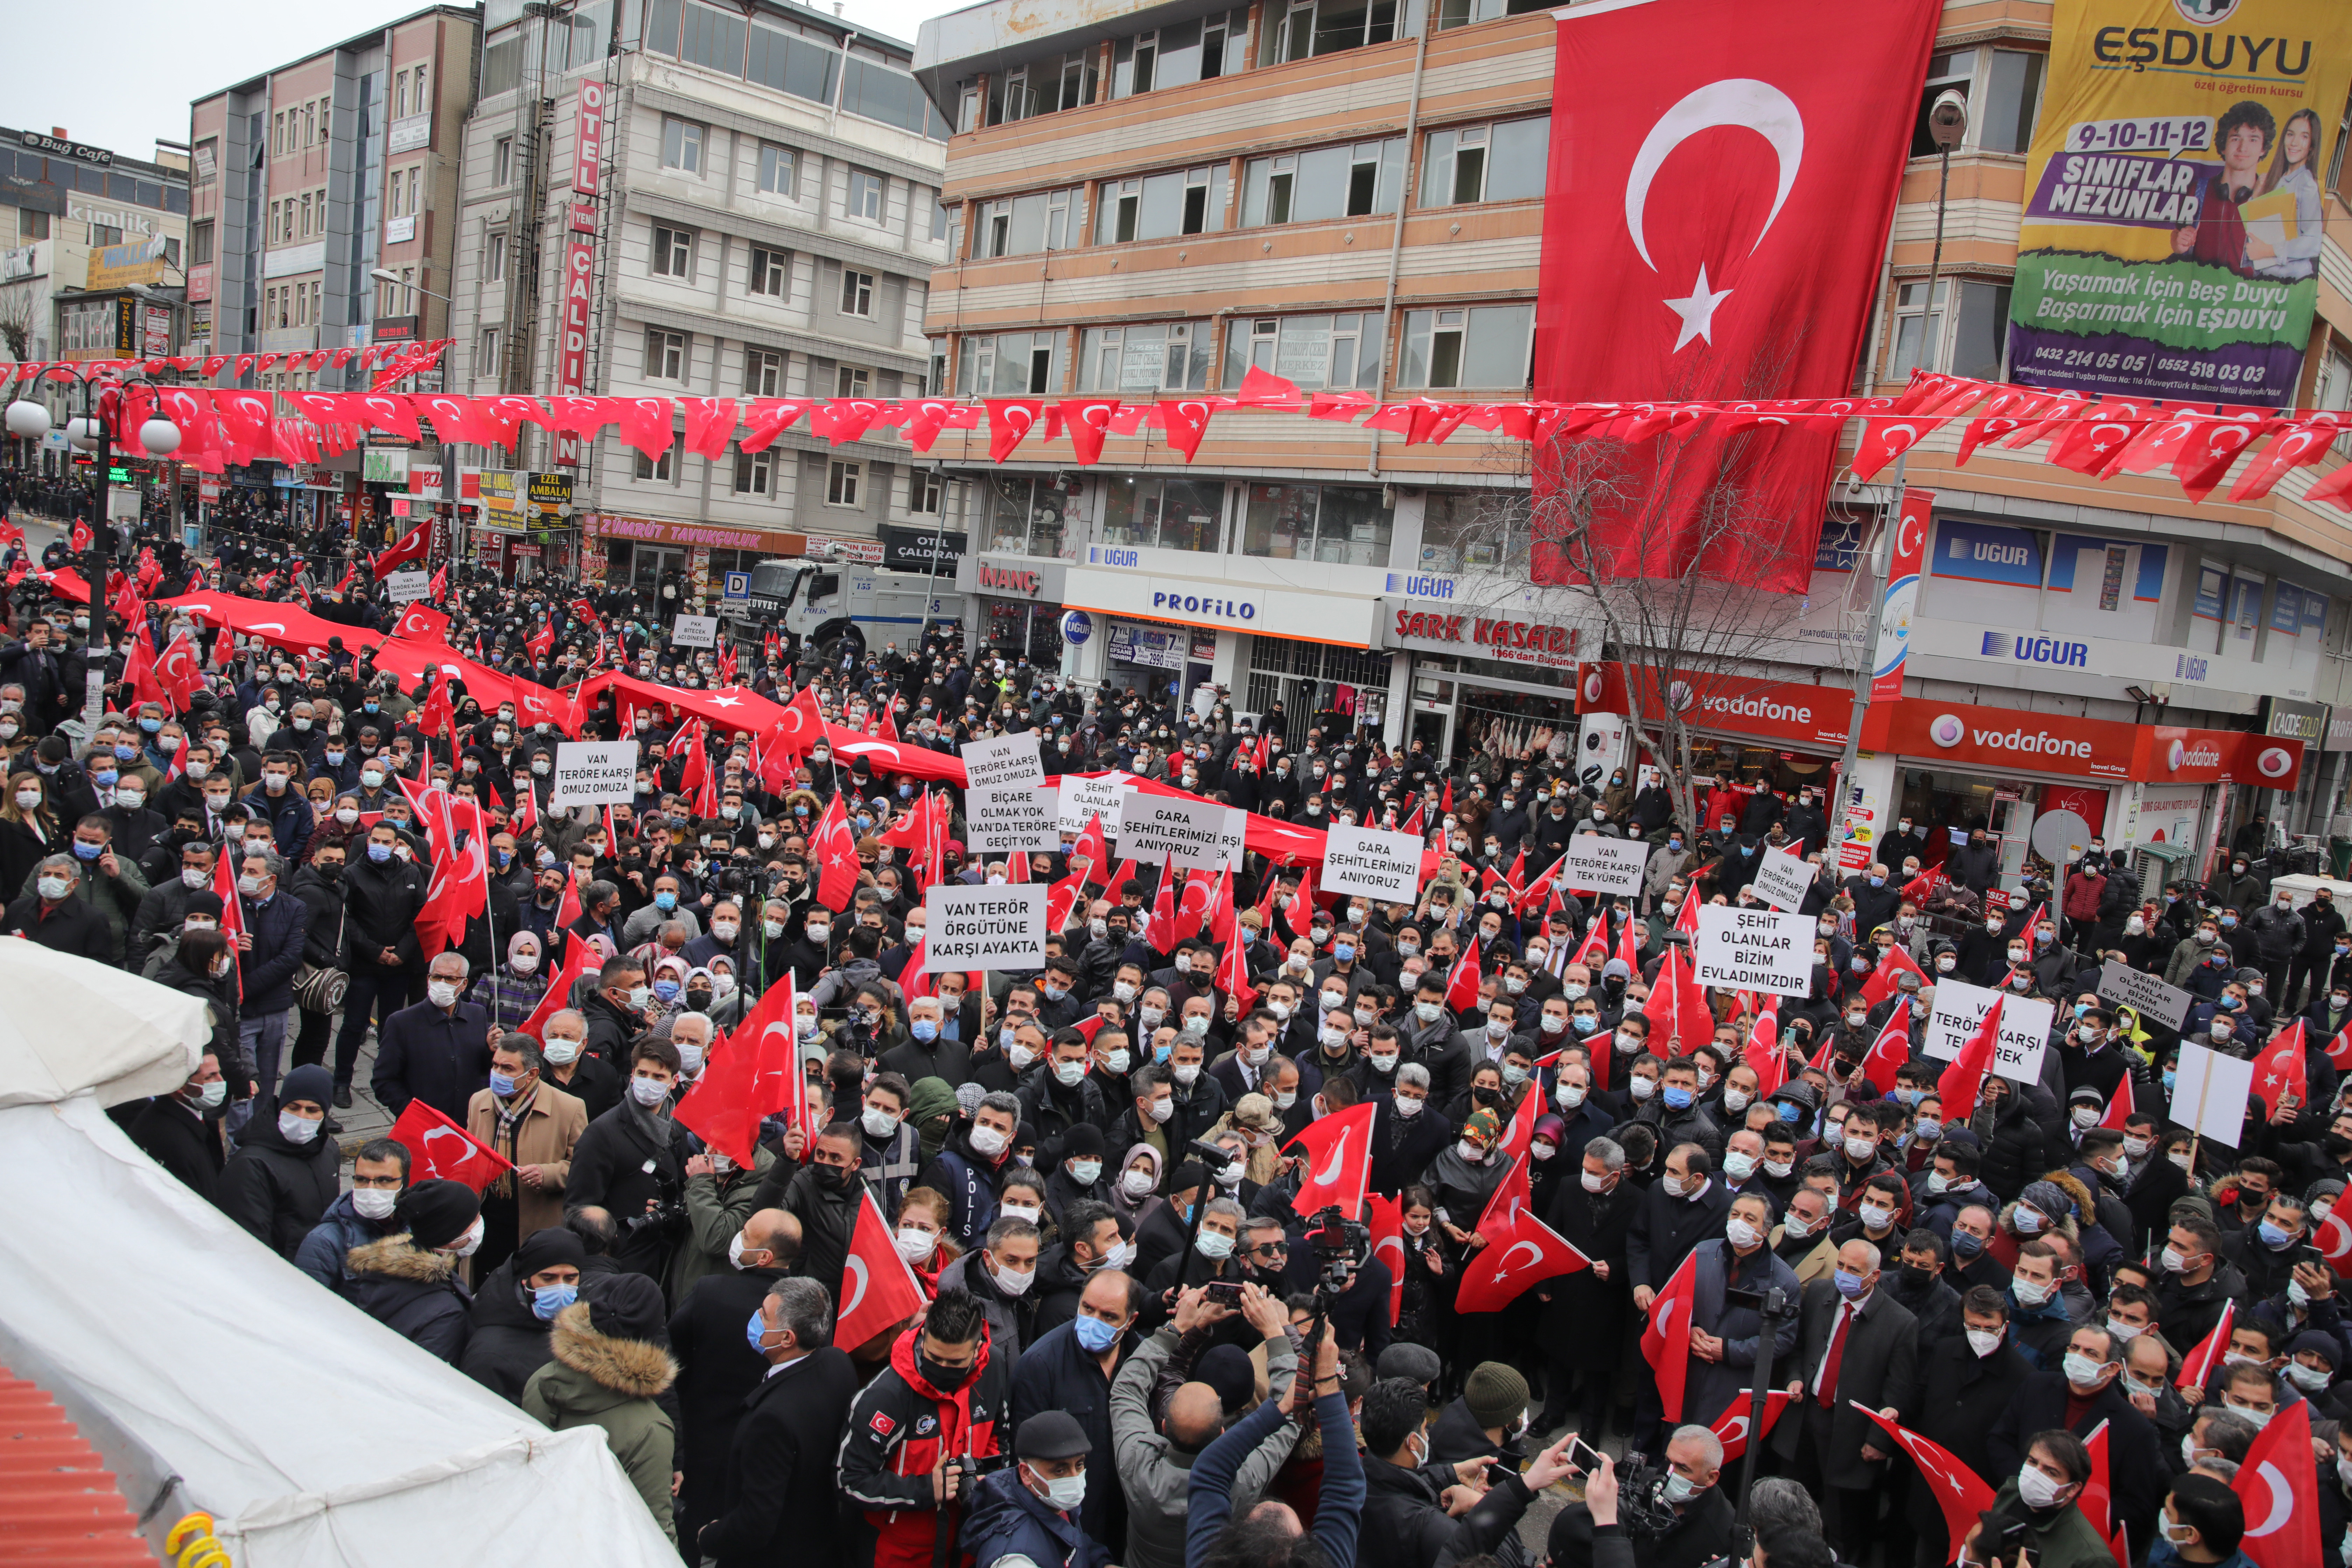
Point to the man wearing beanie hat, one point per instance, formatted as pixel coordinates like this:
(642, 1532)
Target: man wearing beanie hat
(286, 1169)
(408, 1281)
(515, 1307)
(1079, 1176)
(1489, 1419)
(607, 1371)
(1029, 1514)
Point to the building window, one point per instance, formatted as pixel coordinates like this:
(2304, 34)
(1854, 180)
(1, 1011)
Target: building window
(1170, 515)
(2003, 87)
(1340, 523)
(1156, 356)
(494, 257)
(939, 220)
(277, 134)
(1311, 27)
(1462, 531)
(1161, 206)
(1356, 180)
(309, 125)
(841, 483)
(681, 145)
(1970, 344)
(1025, 516)
(751, 470)
(416, 179)
(32, 225)
(674, 253)
(502, 160)
(486, 355)
(1318, 353)
(1045, 220)
(400, 95)
(864, 199)
(938, 379)
(770, 273)
(665, 355)
(857, 292)
(1502, 163)
(407, 291)
(655, 468)
(1010, 364)
(1462, 13)
(926, 491)
(776, 171)
(850, 381)
(424, 99)
(1485, 346)
(763, 373)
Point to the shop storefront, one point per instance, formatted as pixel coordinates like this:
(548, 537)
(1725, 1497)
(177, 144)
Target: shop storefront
(1160, 663)
(1492, 680)
(639, 551)
(1013, 605)
(1750, 734)
(2048, 784)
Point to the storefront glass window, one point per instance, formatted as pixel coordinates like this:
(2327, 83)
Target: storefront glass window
(1316, 683)
(1025, 516)
(1169, 514)
(1310, 523)
(1466, 530)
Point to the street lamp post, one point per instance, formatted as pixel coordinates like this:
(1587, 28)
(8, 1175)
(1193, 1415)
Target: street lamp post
(101, 400)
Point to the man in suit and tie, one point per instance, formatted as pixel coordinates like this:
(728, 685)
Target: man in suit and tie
(1858, 1346)
(1683, 1209)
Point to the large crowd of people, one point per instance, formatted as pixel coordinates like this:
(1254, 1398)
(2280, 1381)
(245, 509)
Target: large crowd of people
(1089, 1169)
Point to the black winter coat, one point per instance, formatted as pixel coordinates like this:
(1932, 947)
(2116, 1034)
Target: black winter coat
(718, 1372)
(608, 1172)
(2013, 1149)
(413, 1292)
(779, 1504)
(505, 1343)
(278, 1189)
(1961, 1395)
(383, 903)
(184, 1143)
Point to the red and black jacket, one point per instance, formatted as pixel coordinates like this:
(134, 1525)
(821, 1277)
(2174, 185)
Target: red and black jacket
(898, 1427)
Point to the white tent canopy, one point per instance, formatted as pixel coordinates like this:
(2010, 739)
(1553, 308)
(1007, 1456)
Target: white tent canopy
(310, 1433)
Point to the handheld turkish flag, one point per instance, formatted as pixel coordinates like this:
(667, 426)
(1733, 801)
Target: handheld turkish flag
(1697, 201)
(1520, 1251)
(2280, 1069)
(1593, 950)
(1665, 1341)
(79, 537)
(2339, 1049)
(439, 716)
(232, 922)
(2198, 1365)
(1462, 984)
(2119, 1105)
(1958, 1491)
(802, 725)
(1958, 1085)
(1299, 916)
(2332, 1236)
(1232, 977)
(1919, 887)
(1763, 1053)
(410, 546)
(422, 622)
(568, 911)
(1890, 1051)
(542, 641)
(559, 989)
(836, 852)
(2280, 1489)
(440, 583)
(1519, 1132)
(440, 1150)
(1091, 851)
(1384, 1217)
(1730, 1428)
(1892, 967)
(180, 673)
(139, 666)
(1163, 910)
(2096, 1500)
(1192, 909)
(1628, 946)
(718, 1107)
(1061, 901)
(1677, 1007)
(1222, 913)
(878, 1291)
(1338, 1151)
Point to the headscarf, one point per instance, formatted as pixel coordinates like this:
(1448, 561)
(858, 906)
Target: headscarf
(1134, 1208)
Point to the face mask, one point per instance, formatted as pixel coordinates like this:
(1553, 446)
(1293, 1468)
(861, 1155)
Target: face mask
(2261, 1418)
(1570, 1095)
(1860, 1149)
(2310, 1379)
(1642, 1087)
(1014, 1282)
(1213, 1244)
(546, 1300)
(298, 1129)
(1427, 1012)
(1407, 1106)
(1739, 1167)
(441, 992)
(648, 1092)
(1677, 1098)
(1161, 1109)
(987, 1143)
(1849, 1285)
(1068, 1074)
(2081, 1369)
(2035, 1489)
(2029, 1293)
(371, 1203)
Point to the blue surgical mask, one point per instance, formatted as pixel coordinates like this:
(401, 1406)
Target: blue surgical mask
(123, 751)
(665, 989)
(924, 1030)
(88, 851)
(151, 725)
(1343, 952)
(1585, 1023)
(379, 853)
(2169, 1076)
(2272, 1235)
(665, 901)
(104, 777)
(1791, 1112)
(1677, 1096)
(549, 1299)
(1095, 1336)
(500, 1084)
(1849, 1285)
(755, 1332)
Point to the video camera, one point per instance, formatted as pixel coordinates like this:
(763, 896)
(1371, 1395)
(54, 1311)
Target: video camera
(1338, 1243)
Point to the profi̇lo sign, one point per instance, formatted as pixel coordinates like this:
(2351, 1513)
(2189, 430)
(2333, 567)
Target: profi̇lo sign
(1203, 605)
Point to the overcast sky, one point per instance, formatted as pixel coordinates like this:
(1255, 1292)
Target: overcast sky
(121, 75)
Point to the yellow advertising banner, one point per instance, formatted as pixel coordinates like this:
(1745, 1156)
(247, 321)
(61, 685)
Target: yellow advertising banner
(138, 264)
(2170, 241)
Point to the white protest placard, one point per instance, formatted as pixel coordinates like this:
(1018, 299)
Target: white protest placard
(1004, 760)
(1596, 863)
(1753, 949)
(405, 587)
(2209, 1095)
(1783, 879)
(2145, 993)
(1184, 832)
(695, 631)
(1001, 927)
(1378, 865)
(593, 773)
(2024, 1027)
(1000, 819)
(1085, 799)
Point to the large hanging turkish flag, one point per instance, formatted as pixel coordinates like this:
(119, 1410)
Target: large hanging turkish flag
(1716, 219)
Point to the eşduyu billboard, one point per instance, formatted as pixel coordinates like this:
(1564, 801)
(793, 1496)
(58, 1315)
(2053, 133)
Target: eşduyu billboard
(2174, 197)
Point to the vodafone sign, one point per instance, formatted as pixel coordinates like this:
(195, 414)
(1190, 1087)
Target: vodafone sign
(2008, 739)
(1776, 711)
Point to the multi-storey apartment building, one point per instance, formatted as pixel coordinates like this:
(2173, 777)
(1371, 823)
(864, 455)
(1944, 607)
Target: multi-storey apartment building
(91, 252)
(1152, 199)
(683, 199)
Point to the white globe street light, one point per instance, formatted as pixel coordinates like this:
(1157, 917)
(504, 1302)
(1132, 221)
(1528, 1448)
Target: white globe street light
(159, 437)
(28, 420)
(82, 434)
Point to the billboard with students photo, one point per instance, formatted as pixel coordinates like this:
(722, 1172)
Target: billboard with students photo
(2174, 198)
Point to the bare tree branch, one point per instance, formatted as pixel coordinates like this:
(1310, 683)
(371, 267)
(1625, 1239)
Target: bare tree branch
(19, 305)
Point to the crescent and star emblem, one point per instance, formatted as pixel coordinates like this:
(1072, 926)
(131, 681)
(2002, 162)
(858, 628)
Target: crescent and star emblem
(1330, 1171)
(853, 1266)
(2282, 1501)
(1535, 1255)
(1734, 101)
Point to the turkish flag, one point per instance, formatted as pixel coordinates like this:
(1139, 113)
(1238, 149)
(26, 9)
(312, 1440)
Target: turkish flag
(1462, 984)
(422, 622)
(2119, 1105)
(437, 716)
(718, 1107)
(836, 852)
(1960, 1491)
(1089, 852)
(1232, 977)
(1890, 1051)
(2339, 1049)
(1593, 950)
(79, 537)
(1222, 913)
(1520, 1251)
(2279, 1071)
(1891, 966)
(138, 668)
(2332, 1236)
(232, 922)
(2096, 1500)
(1338, 1151)
(1730, 1428)
(1193, 907)
(878, 1292)
(1629, 942)
(410, 546)
(559, 989)
(1677, 1007)
(2199, 1363)
(1763, 1053)
(1520, 1132)
(802, 724)
(1385, 1219)
(2280, 1489)
(1061, 900)
(1163, 933)
(1958, 1085)
(180, 671)
(1699, 199)
(440, 1150)
(1665, 1341)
